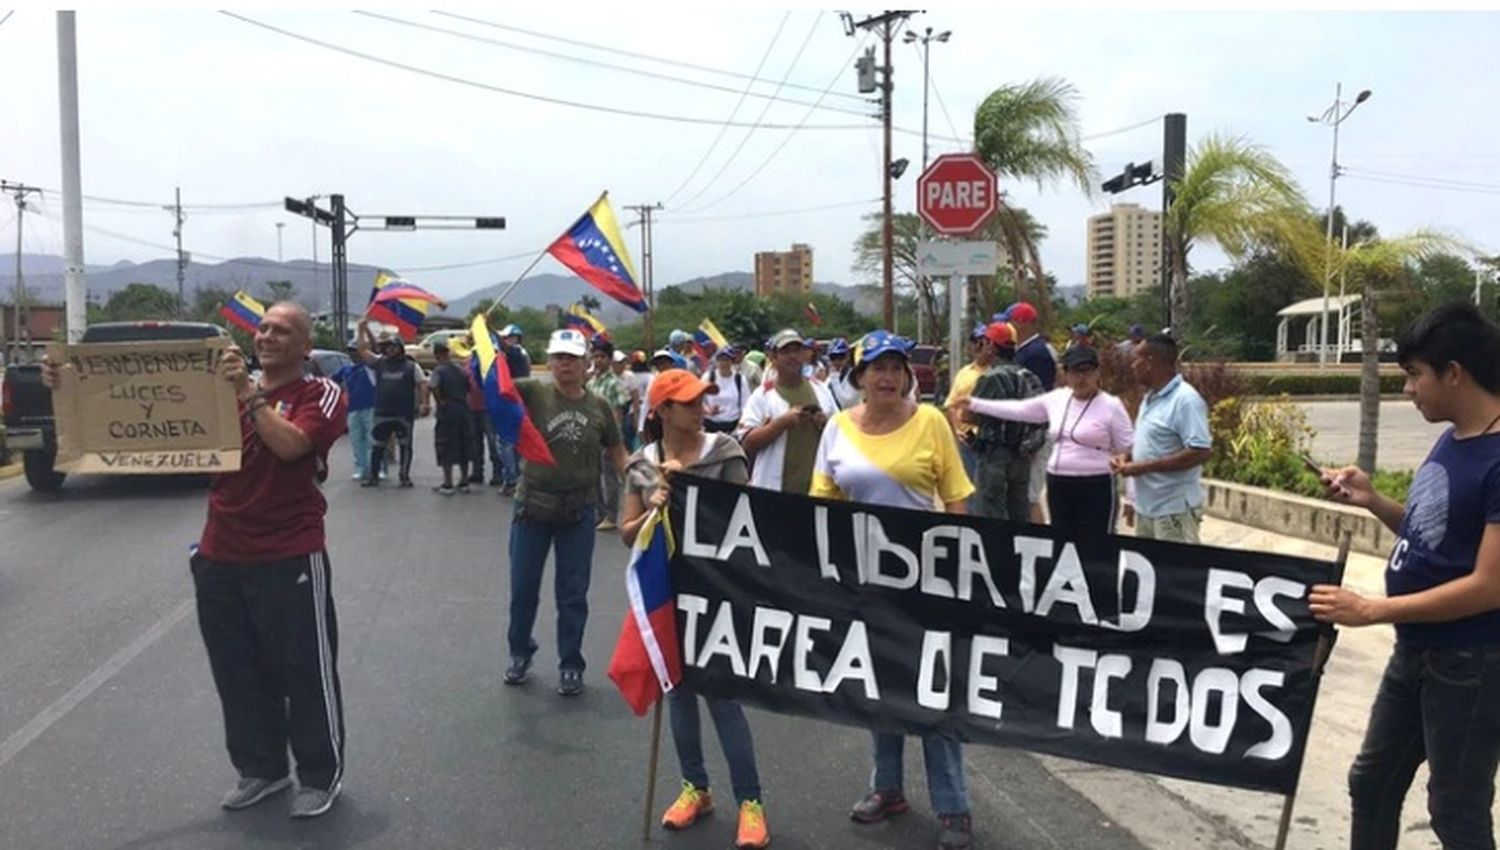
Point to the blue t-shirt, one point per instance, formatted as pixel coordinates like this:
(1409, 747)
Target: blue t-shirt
(358, 383)
(1036, 357)
(1454, 496)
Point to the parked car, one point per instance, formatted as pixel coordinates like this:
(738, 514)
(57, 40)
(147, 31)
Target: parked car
(27, 404)
(325, 362)
(924, 362)
(422, 351)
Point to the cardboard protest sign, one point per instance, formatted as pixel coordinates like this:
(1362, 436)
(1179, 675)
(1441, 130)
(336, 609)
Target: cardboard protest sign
(1186, 661)
(145, 408)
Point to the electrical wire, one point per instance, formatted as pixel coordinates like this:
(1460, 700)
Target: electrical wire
(752, 78)
(464, 81)
(469, 265)
(7, 17)
(1457, 184)
(732, 113)
(1415, 184)
(240, 206)
(597, 64)
(811, 31)
(1118, 130)
(858, 45)
(771, 214)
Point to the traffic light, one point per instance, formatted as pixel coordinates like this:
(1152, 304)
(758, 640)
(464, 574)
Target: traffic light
(1114, 185)
(1133, 175)
(400, 222)
(489, 223)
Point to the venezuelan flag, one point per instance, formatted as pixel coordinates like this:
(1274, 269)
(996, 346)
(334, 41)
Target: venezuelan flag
(243, 312)
(594, 249)
(405, 312)
(502, 401)
(647, 661)
(581, 320)
(708, 340)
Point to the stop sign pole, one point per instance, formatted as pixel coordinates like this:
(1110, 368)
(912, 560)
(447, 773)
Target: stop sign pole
(955, 196)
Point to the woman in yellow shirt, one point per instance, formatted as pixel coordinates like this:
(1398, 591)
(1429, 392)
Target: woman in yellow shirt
(892, 451)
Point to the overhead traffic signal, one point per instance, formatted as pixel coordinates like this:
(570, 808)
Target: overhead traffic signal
(1134, 175)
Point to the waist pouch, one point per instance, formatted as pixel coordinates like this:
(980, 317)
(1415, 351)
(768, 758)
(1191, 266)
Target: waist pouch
(566, 507)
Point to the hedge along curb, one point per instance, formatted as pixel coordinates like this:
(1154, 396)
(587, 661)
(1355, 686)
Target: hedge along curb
(1317, 520)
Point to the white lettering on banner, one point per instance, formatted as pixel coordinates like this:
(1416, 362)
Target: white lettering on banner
(971, 564)
(804, 676)
(1280, 742)
(1030, 548)
(1072, 659)
(932, 550)
(877, 545)
(854, 662)
(722, 641)
(937, 659)
(1160, 731)
(1067, 584)
(1216, 685)
(1218, 602)
(826, 568)
(980, 683)
(1214, 692)
(741, 533)
(1105, 720)
(762, 649)
(693, 606)
(1139, 615)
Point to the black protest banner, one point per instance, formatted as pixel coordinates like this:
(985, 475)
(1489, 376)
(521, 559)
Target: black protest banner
(1187, 661)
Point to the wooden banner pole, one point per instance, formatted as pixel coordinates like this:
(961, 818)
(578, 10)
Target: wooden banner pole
(1320, 658)
(651, 771)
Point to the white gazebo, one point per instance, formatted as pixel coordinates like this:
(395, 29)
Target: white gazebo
(1311, 315)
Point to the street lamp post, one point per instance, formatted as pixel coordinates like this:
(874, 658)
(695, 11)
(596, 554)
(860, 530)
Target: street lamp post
(1334, 116)
(927, 39)
(279, 226)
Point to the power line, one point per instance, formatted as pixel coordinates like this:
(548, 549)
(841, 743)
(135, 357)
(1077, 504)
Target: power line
(1457, 184)
(858, 45)
(770, 214)
(811, 31)
(1416, 184)
(1118, 130)
(733, 112)
(469, 265)
(7, 17)
(464, 81)
(154, 206)
(597, 64)
(753, 78)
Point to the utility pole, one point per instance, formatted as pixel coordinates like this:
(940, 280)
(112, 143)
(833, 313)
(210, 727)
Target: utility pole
(648, 284)
(177, 219)
(72, 177)
(19, 191)
(279, 226)
(344, 223)
(1174, 163)
(885, 25)
(924, 233)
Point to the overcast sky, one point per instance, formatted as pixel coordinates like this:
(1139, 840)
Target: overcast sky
(233, 113)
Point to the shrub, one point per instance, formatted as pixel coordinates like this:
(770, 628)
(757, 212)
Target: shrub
(1343, 384)
(1261, 445)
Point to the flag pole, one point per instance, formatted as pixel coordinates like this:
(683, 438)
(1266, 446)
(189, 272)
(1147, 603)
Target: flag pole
(513, 284)
(651, 770)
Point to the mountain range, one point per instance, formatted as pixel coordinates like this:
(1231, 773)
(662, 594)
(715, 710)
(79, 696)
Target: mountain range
(43, 274)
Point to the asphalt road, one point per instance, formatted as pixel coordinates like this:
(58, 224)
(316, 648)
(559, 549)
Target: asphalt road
(110, 733)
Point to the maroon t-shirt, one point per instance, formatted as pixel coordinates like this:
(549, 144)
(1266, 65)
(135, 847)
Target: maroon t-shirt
(272, 509)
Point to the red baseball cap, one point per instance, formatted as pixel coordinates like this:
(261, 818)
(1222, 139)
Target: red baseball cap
(678, 385)
(1021, 312)
(1000, 334)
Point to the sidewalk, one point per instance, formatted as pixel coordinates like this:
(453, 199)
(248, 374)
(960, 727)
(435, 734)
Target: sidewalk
(1171, 813)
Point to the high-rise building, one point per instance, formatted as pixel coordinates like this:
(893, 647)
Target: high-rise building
(790, 272)
(1124, 251)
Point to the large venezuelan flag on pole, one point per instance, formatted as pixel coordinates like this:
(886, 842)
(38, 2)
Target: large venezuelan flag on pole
(648, 657)
(502, 401)
(594, 249)
(243, 312)
(397, 302)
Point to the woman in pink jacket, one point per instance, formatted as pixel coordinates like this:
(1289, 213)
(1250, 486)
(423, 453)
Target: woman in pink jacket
(1088, 426)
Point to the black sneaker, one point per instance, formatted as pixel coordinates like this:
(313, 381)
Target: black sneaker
(955, 832)
(516, 673)
(443, 489)
(570, 683)
(370, 482)
(406, 482)
(877, 806)
(497, 481)
(476, 478)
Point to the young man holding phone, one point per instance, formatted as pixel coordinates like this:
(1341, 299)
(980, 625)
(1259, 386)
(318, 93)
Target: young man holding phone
(782, 424)
(1439, 700)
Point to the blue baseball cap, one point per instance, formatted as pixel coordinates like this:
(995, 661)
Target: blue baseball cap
(838, 348)
(1080, 329)
(978, 331)
(877, 344)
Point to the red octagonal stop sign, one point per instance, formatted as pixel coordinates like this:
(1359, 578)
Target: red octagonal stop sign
(956, 193)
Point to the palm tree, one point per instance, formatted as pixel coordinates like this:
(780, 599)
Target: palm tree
(1029, 131)
(1370, 263)
(1232, 193)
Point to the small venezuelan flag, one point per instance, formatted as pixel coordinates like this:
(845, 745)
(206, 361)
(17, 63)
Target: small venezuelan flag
(585, 322)
(243, 312)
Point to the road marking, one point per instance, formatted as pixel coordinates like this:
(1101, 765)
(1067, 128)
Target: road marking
(23, 737)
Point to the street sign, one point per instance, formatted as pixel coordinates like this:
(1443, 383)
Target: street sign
(956, 194)
(937, 258)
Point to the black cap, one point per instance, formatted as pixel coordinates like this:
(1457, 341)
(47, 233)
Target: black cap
(1080, 355)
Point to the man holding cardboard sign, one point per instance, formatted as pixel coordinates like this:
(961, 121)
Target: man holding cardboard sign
(261, 572)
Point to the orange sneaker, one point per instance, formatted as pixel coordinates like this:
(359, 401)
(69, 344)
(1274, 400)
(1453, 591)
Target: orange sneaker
(692, 803)
(753, 832)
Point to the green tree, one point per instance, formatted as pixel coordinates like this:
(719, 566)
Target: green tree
(281, 290)
(1030, 132)
(1232, 193)
(139, 302)
(589, 302)
(206, 304)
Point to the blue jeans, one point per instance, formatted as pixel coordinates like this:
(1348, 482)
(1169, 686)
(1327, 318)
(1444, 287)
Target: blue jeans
(361, 422)
(971, 468)
(945, 769)
(510, 465)
(1438, 706)
(573, 544)
(734, 737)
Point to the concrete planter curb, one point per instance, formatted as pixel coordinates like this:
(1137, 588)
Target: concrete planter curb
(1297, 516)
(10, 471)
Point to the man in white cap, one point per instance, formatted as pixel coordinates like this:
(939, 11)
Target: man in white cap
(781, 425)
(557, 508)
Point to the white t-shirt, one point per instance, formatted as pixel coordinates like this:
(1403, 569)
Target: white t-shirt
(729, 402)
